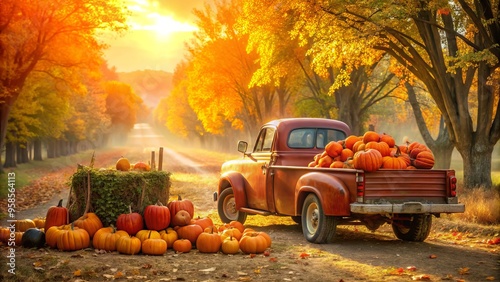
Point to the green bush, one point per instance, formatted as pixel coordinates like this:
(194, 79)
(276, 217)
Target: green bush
(112, 192)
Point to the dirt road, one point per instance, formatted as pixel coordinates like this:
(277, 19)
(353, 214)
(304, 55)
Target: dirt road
(453, 251)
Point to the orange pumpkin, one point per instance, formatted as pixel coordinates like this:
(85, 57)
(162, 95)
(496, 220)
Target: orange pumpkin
(351, 140)
(382, 147)
(155, 247)
(73, 239)
(424, 160)
(387, 139)
(147, 234)
(337, 164)
(170, 236)
(231, 232)
(129, 245)
(131, 222)
(53, 233)
(56, 216)
(106, 238)
(230, 246)
(39, 222)
(157, 217)
(24, 224)
(190, 232)
(181, 218)
(369, 160)
(333, 149)
(203, 222)
(370, 136)
(182, 246)
(90, 222)
(358, 146)
(176, 205)
(346, 154)
(253, 243)
(325, 161)
(208, 242)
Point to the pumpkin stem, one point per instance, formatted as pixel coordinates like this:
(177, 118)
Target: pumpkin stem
(179, 198)
(59, 205)
(129, 208)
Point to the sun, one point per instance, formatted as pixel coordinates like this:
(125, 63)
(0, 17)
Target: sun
(165, 25)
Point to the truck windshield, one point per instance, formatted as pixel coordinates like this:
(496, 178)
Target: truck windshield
(308, 138)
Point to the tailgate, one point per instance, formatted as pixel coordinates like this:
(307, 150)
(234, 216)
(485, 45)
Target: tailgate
(400, 186)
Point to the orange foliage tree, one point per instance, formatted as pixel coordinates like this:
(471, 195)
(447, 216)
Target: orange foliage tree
(35, 36)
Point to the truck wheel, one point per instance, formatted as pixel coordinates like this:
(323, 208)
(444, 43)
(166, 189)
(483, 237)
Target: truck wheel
(416, 229)
(316, 226)
(226, 207)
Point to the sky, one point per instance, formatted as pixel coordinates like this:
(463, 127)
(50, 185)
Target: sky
(158, 30)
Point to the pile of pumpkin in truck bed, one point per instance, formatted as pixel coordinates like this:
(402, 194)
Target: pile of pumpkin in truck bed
(158, 228)
(373, 151)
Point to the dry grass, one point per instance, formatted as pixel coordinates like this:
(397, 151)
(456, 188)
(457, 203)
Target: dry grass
(481, 206)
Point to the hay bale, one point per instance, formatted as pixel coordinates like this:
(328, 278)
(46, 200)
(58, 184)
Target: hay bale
(113, 191)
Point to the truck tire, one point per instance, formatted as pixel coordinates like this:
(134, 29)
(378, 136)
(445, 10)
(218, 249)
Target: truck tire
(416, 229)
(226, 207)
(316, 226)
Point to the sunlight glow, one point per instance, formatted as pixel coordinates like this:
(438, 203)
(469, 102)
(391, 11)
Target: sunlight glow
(146, 18)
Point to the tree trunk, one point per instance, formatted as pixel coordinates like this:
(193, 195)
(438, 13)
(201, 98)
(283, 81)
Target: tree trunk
(10, 155)
(51, 148)
(477, 165)
(5, 109)
(22, 153)
(37, 150)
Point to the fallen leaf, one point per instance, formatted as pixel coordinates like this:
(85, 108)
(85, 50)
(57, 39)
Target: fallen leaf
(108, 276)
(304, 255)
(490, 278)
(432, 256)
(208, 269)
(37, 264)
(252, 255)
(273, 259)
(117, 275)
(77, 273)
(267, 253)
(146, 266)
(411, 268)
(463, 270)
(240, 273)
(256, 271)
(422, 277)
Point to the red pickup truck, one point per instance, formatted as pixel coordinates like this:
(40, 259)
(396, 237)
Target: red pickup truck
(274, 179)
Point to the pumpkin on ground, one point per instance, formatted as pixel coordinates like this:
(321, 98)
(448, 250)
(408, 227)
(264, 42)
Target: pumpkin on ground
(182, 246)
(157, 217)
(4, 234)
(230, 246)
(231, 232)
(129, 245)
(203, 222)
(181, 218)
(53, 233)
(90, 222)
(106, 238)
(208, 242)
(33, 238)
(177, 205)
(148, 234)
(39, 222)
(155, 247)
(24, 224)
(253, 243)
(170, 236)
(73, 239)
(56, 216)
(189, 232)
(131, 222)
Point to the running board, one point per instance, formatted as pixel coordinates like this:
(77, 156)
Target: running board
(253, 211)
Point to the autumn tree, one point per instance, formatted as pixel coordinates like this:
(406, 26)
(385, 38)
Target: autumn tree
(36, 36)
(449, 46)
(122, 105)
(342, 87)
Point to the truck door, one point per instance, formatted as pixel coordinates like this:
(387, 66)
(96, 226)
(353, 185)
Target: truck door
(258, 194)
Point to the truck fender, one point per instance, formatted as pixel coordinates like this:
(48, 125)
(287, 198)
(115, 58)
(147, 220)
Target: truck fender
(237, 182)
(331, 192)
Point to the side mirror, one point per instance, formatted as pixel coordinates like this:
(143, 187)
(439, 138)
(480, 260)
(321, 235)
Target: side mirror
(242, 147)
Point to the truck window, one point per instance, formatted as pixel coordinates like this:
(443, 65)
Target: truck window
(308, 138)
(265, 140)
